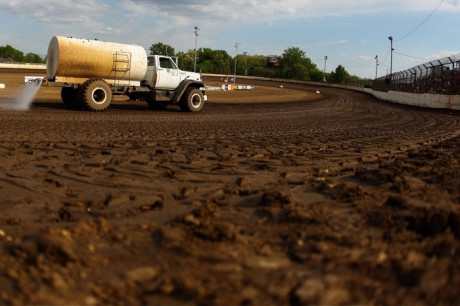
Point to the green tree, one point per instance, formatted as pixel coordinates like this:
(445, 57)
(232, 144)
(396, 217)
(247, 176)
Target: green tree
(340, 76)
(214, 61)
(257, 66)
(162, 49)
(186, 60)
(8, 52)
(354, 80)
(33, 58)
(291, 64)
(295, 64)
(316, 75)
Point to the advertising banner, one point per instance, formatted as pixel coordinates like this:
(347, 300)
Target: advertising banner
(273, 61)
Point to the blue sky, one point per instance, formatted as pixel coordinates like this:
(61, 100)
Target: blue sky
(350, 33)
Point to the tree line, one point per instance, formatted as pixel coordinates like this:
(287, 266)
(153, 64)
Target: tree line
(293, 64)
(8, 54)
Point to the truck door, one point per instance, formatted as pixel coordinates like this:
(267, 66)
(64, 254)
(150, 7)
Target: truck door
(168, 75)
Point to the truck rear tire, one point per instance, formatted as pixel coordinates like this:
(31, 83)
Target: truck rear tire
(95, 95)
(69, 96)
(192, 100)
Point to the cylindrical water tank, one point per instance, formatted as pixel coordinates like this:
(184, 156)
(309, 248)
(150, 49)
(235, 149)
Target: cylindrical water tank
(83, 58)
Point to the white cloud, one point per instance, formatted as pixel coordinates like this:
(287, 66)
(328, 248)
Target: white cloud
(109, 30)
(275, 9)
(263, 27)
(363, 57)
(56, 11)
(285, 11)
(95, 14)
(247, 11)
(443, 53)
(332, 43)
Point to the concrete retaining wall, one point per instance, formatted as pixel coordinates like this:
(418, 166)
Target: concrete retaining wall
(24, 66)
(421, 100)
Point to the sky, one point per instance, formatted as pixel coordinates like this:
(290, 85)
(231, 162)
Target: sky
(350, 33)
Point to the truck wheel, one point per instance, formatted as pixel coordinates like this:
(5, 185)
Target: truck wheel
(192, 100)
(95, 95)
(69, 96)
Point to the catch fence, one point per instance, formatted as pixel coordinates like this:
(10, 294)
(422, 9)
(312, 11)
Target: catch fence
(437, 77)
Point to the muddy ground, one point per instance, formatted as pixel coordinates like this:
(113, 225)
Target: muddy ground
(336, 198)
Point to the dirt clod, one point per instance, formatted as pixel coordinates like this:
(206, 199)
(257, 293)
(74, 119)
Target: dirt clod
(266, 197)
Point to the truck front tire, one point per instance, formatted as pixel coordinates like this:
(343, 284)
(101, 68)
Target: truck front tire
(95, 95)
(192, 100)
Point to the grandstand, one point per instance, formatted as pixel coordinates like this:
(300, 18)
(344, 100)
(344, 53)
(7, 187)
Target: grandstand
(440, 77)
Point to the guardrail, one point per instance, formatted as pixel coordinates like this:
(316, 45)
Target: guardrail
(440, 77)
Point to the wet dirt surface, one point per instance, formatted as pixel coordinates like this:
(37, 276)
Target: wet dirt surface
(331, 199)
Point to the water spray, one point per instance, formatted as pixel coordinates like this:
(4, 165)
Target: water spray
(26, 96)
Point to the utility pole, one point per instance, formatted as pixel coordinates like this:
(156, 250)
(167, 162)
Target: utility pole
(245, 63)
(195, 30)
(391, 57)
(324, 71)
(237, 45)
(376, 64)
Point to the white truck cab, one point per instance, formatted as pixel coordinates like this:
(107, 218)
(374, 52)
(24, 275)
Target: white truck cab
(163, 73)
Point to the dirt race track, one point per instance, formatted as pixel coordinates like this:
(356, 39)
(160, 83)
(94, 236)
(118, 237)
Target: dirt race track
(336, 198)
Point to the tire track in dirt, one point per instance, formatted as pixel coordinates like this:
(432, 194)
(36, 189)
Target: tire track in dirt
(346, 200)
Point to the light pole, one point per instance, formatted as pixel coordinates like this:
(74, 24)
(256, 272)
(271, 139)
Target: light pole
(195, 30)
(376, 64)
(324, 71)
(237, 45)
(245, 63)
(391, 56)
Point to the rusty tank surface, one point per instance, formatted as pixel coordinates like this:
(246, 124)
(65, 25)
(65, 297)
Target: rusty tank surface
(71, 58)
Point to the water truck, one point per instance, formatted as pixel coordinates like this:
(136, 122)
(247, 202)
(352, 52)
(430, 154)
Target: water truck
(91, 72)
